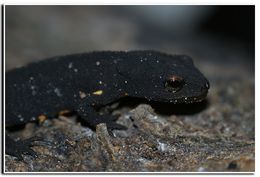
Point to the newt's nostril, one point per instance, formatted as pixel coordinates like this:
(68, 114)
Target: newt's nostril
(207, 85)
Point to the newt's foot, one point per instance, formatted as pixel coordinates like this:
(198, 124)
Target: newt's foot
(20, 147)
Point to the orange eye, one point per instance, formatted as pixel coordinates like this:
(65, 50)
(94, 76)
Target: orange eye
(174, 83)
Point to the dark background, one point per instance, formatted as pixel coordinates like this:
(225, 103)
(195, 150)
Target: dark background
(203, 32)
(236, 22)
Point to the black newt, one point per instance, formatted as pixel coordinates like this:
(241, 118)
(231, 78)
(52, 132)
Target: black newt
(83, 82)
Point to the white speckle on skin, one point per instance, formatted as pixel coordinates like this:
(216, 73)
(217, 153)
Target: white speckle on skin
(34, 93)
(75, 70)
(70, 65)
(82, 94)
(157, 61)
(57, 91)
(33, 90)
(98, 63)
(20, 117)
(125, 82)
(160, 77)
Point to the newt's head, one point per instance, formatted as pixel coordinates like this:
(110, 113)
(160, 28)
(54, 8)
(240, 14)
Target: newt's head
(166, 78)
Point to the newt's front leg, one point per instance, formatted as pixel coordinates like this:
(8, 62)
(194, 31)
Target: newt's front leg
(20, 147)
(92, 118)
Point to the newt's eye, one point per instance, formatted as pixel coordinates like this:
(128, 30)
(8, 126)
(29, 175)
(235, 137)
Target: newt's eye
(174, 83)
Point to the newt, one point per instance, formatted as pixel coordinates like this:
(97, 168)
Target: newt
(83, 82)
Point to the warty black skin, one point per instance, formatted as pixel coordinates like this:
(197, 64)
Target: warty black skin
(81, 82)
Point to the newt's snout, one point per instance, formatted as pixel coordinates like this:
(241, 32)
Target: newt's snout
(205, 87)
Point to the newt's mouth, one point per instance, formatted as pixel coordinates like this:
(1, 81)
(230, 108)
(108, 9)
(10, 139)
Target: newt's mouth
(192, 99)
(189, 99)
(196, 98)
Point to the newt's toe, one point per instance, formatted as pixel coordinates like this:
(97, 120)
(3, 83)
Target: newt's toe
(20, 147)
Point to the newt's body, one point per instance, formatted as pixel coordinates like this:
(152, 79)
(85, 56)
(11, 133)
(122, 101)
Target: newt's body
(82, 82)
